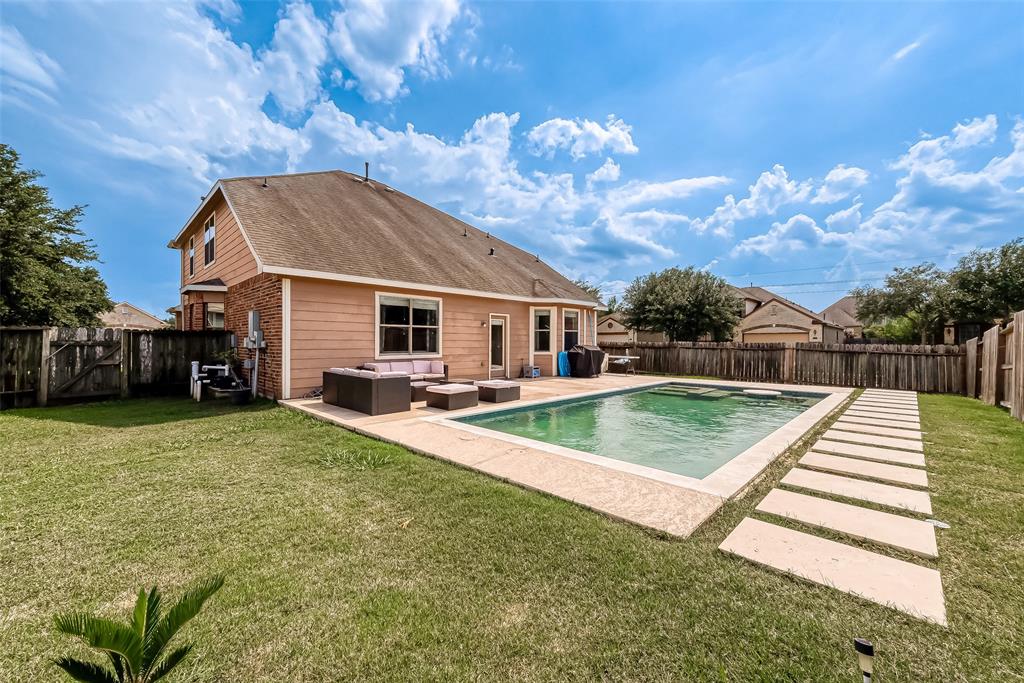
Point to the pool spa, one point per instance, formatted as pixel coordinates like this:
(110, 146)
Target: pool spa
(683, 429)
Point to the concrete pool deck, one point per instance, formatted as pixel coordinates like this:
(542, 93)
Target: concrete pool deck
(653, 498)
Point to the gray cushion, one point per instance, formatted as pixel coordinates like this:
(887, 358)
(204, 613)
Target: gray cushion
(452, 389)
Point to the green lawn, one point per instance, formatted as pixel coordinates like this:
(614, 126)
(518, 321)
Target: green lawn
(352, 559)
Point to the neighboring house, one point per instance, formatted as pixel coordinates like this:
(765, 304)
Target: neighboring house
(844, 313)
(612, 328)
(131, 317)
(959, 332)
(769, 317)
(343, 270)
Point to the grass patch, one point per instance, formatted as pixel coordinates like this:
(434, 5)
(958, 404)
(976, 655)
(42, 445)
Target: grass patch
(348, 558)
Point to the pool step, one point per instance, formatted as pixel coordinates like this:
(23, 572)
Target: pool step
(686, 392)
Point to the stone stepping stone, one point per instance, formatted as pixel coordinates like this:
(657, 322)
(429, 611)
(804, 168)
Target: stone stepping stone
(887, 404)
(907, 444)
(891, 392)
(882, 494)
(879, 422)
(895, 531)
(864, 452)
(893, 474)
(904, 586)
(909, 412)
(865, 412)
(899, 433)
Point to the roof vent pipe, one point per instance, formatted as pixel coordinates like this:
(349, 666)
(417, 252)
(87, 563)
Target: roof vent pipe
(492, 252)
(366, 171)
(264, 182)
(465, 232)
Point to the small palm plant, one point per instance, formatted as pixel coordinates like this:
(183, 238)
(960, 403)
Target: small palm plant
(136, 650)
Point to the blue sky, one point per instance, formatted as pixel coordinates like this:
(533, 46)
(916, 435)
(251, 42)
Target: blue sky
(804, 147)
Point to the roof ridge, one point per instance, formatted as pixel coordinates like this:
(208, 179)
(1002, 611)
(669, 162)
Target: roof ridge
(283, 175)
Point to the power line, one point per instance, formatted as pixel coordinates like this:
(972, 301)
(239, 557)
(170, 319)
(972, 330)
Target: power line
(862, 263)
(820, 282)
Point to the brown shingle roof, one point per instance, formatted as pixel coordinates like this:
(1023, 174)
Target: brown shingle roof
(843, 312)
(764, 296)
(334, 222)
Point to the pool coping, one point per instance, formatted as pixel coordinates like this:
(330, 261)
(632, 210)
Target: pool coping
(727, 481)
(662, 501)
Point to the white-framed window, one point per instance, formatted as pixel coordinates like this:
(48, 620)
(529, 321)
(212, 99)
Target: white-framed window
(215, 316)
(570, 328)
(191, 256)
(408, 325)
(209, 240)
(542, 330)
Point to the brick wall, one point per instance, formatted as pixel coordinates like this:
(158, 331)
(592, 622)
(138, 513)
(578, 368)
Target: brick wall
(261, 293)
(194, 314)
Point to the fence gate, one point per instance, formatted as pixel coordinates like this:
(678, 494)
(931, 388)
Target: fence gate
(84, 362)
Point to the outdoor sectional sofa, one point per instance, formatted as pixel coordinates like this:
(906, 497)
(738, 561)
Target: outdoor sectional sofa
(417, 370)
(367, 391)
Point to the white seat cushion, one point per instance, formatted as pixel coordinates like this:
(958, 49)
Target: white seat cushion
(452, 389)
(496, 383)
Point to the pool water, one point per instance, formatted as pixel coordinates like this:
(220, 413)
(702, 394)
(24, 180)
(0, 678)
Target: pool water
(685, 429)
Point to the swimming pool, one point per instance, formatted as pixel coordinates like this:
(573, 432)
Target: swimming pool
(689, 430)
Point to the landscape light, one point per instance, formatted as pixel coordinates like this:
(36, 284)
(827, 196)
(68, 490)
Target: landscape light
(865, 657)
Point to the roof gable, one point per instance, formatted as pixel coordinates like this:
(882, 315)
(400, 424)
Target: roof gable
(843, 312)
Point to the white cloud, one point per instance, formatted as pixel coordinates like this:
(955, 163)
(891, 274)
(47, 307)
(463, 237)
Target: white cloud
(297, 51)
(637, 192)
(378, 40)
(844, 220)
(607, 173)
(840, 183)
(582, 137)
(772, 190)
(975, 132)
(799, 233)
(906, 50)
(26, 69)
(939, 201)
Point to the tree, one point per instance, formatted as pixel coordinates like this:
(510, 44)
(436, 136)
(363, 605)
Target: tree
(45, 278)
(612, 304)
(684, 304)
(899, 330)
(988, 284)
(136, 650)
(592, 290)
(919, 293)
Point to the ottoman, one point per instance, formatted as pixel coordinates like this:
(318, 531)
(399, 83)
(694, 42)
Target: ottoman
(418, 390)
(498, 391)
(451, 396)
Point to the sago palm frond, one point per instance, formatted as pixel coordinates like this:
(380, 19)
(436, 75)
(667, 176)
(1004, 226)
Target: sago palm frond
(135, 648)
(169, 662)
(147, 612)
(107, 635)
(179, 615)
(85, 671)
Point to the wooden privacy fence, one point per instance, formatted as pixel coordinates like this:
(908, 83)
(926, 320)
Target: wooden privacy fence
(754, 362)
(995, 363)
(45, 365)
(916, 368)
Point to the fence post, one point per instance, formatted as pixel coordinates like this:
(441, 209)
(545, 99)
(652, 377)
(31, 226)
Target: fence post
(43, 388)
(1015, 392)
(788, 364)
(126, 354)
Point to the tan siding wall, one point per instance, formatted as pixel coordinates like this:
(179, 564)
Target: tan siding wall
(777, 314)
(332, 325)
(233, 261)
